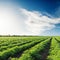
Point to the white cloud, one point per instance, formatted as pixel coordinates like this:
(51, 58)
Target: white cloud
(24, 22)
(37, 23)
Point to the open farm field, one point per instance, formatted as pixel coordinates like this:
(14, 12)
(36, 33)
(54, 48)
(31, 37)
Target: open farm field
(30, 48)
(29, 29)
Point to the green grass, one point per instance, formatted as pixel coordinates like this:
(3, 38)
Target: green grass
(30, 48)
(54, 53)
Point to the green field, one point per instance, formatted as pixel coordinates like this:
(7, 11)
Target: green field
(30, 48)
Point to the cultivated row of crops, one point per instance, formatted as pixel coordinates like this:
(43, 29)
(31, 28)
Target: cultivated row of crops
(29, 48)
(54, 53)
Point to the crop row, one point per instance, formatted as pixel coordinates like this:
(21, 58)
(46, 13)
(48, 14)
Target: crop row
(17, 42)
(17, 49)
(33, 53)
(6, 41)
(12, 45)
(54, 53)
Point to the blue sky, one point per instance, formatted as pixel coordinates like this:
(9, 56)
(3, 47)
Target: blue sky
(30, 17)
(49, 6)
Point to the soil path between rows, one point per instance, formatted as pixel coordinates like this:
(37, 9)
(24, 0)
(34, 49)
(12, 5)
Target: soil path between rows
(45, 53)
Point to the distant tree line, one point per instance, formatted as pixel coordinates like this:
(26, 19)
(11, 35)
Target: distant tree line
(15, 35)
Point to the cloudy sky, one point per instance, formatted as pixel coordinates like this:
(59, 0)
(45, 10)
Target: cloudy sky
(30, 17)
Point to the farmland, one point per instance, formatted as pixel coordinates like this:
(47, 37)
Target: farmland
(30, 48)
